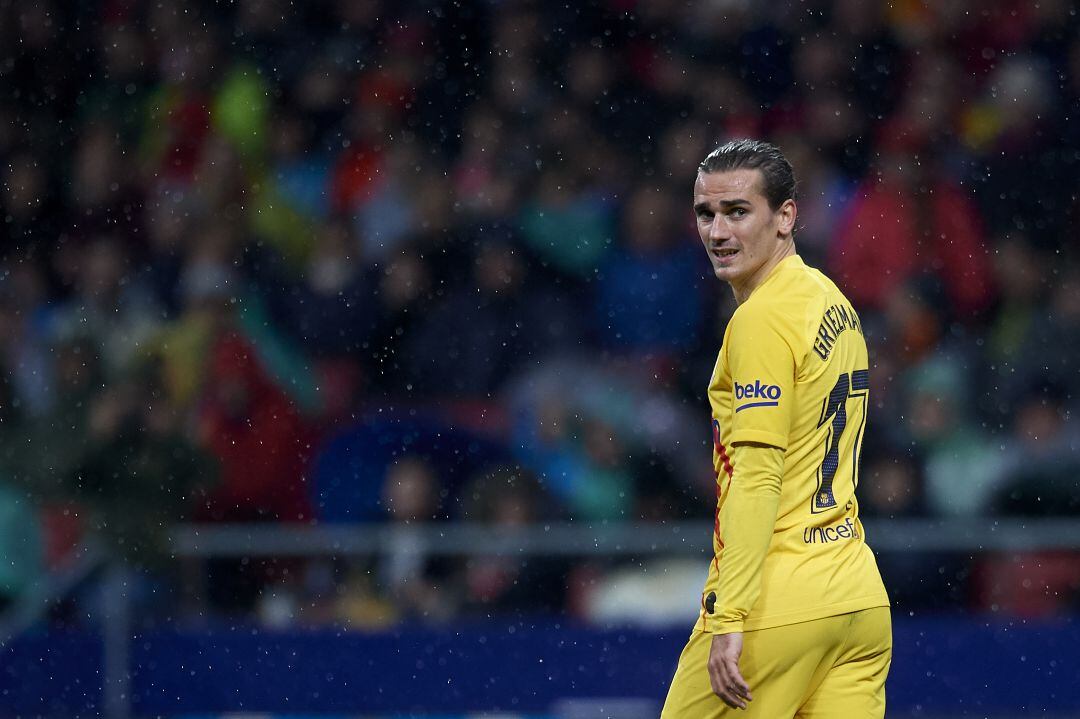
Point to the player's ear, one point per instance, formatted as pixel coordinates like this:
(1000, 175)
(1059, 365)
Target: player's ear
(786, 214)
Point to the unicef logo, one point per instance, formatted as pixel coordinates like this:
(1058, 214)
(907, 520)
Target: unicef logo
(757, 391)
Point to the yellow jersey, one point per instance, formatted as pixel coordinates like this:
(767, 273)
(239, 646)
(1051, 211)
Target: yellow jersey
(793, 374)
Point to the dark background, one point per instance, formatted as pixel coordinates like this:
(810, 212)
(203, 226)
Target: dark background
(417, 263)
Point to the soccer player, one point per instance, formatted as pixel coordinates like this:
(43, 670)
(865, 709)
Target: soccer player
(794, 618)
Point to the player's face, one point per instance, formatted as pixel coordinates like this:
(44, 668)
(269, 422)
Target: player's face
(743, 236)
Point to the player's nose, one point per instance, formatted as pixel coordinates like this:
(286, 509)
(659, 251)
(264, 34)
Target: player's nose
(719, 230)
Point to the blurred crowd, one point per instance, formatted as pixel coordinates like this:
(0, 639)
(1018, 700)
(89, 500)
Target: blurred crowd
(353, 261)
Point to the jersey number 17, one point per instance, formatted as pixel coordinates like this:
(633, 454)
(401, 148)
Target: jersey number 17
(848, 387)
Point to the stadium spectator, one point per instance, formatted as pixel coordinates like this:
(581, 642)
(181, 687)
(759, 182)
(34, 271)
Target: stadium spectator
(506, 499)
(109, 304)
(825, 194)
(892, 487)
(403, 294)
(473, 339)
(963, 465)
(1057, 337)
(581, 460)
(21, 546)
(1018, 270)
(565, 227)
(330, 310)
(1010, 131)
(908, 220)
(1042, 457)
(258, 436)
(104, 196)
(41, 453)
(645, 304)
(415, 583)
(484, 183)
(139, 474)
(32, 212)
(24, 342)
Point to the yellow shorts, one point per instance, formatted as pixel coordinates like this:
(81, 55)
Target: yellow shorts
(831, 667)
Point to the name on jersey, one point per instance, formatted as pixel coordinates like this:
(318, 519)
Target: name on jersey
(834, 321)
(825, 535)
(768, 395)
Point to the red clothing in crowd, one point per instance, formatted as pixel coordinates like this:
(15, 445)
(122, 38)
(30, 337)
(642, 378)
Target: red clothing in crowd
(890, 236)
(258, 436)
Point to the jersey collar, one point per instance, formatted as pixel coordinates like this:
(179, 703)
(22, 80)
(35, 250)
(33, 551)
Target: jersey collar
(789, 262)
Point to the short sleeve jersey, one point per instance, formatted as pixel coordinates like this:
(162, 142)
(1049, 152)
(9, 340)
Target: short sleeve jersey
(793, 373)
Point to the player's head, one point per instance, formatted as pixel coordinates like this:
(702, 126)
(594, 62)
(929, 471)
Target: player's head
(744, 200)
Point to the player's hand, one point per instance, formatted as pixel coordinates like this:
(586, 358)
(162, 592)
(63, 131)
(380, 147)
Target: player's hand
(727, 682)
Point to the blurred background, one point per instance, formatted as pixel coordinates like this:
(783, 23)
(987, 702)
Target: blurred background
(354, 353)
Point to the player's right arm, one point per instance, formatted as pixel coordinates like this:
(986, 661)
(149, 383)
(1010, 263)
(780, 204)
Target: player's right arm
(747, 516)
(762, 367)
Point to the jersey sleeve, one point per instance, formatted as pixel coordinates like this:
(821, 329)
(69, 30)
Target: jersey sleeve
(748, 517)
(762, 364)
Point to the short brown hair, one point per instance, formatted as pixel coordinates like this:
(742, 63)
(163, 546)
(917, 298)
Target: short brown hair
(755, 155)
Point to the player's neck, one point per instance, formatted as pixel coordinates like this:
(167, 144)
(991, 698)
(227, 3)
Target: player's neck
(744, 289)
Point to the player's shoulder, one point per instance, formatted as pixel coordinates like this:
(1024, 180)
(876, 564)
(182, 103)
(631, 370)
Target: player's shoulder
(791, 304)
(799, 281)
(820, 293)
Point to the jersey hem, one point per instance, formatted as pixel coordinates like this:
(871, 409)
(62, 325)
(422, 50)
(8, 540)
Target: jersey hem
(804, 615)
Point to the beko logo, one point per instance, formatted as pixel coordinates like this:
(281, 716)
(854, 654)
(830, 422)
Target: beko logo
(769, 394)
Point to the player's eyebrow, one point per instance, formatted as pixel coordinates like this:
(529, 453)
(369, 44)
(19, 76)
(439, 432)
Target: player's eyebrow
(705, 206)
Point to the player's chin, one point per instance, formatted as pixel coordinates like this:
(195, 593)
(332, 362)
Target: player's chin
(725, 273)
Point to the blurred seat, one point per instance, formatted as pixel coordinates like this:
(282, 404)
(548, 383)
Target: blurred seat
(1032, 584)
(350, 467)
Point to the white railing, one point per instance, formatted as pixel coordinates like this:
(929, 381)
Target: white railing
(574, 539)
